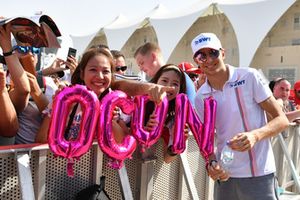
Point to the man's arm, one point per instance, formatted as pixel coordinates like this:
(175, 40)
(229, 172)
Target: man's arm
(132, 88)
(279, 122)
(8, 119)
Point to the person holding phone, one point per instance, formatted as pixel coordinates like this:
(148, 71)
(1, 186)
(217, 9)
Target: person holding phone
(59, 65)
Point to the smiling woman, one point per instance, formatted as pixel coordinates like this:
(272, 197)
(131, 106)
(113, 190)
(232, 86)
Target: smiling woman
(172, 76)
(94, 71)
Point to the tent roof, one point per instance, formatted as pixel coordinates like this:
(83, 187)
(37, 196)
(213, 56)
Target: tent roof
(250, 28)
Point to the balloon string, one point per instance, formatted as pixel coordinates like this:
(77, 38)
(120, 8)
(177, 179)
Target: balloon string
(70, 169)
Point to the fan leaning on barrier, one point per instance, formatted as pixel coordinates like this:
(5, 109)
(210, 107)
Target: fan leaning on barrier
(97, 118)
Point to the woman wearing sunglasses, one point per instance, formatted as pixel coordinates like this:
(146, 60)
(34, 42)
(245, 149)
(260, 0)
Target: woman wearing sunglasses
(31, 118)
(24, 59)
(15, 99)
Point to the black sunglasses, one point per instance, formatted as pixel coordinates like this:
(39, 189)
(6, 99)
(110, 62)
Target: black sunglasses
(122, 68)
(202, 57)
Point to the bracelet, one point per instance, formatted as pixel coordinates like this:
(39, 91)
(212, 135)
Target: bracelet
(5, 54)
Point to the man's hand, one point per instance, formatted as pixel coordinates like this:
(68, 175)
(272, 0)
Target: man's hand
(243, 141)
(216, 172)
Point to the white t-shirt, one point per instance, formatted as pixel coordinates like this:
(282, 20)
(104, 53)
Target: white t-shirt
(250, 87)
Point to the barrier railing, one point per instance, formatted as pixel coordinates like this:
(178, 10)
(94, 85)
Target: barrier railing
(32, 172)
(29, 168)
(286, 147)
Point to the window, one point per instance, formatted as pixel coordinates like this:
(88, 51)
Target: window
(296, 42)
(283, 72)
(297, 21)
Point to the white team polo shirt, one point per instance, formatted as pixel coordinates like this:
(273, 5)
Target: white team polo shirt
(249, 86)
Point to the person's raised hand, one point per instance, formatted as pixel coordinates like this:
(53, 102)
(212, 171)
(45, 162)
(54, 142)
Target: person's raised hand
(5, 38)
(56, 66)
(34, 86)
(158, 92)
(71, 63)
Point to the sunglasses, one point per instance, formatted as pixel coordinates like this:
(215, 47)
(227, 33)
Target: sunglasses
(25, 49)
(122, 68)
(202, 57)
(193, 76)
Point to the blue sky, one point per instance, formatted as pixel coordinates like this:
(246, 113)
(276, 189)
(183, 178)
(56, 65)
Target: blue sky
(80, 17)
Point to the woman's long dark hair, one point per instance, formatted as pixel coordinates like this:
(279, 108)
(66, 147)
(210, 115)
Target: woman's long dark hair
(180, 73)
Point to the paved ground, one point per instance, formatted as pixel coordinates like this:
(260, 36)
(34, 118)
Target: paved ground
(289, 196)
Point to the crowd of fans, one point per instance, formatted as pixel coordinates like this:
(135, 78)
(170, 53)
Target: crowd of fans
(28, 89)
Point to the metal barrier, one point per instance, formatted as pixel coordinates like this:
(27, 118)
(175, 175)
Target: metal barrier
(50, 181)
(184, 178)
(286, 148)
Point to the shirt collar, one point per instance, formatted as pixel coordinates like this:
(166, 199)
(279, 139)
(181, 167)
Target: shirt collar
(233, 76)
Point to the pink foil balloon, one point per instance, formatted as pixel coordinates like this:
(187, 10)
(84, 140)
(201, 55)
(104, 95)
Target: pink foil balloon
(207, 144)
(117, 152)
(203, 133)
(146, 138)
(62, 105)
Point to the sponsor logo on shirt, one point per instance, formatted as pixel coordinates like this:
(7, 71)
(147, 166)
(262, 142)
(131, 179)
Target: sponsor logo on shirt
(237, 83)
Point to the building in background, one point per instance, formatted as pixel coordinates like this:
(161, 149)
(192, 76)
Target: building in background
(276, 55)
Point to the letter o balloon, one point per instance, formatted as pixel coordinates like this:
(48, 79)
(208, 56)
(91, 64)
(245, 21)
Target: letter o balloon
(117, 152)
(62, 105)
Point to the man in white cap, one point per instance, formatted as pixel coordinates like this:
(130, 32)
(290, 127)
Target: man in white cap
(243, 98)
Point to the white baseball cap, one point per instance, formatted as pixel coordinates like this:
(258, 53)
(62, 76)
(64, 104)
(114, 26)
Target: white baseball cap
(205, 40)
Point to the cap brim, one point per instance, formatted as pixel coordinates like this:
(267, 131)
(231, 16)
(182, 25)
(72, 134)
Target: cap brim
(207, 46)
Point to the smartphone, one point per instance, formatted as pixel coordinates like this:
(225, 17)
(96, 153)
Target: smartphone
(71, 52)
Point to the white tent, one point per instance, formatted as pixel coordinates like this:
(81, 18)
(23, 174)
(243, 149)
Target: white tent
(251, 21)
